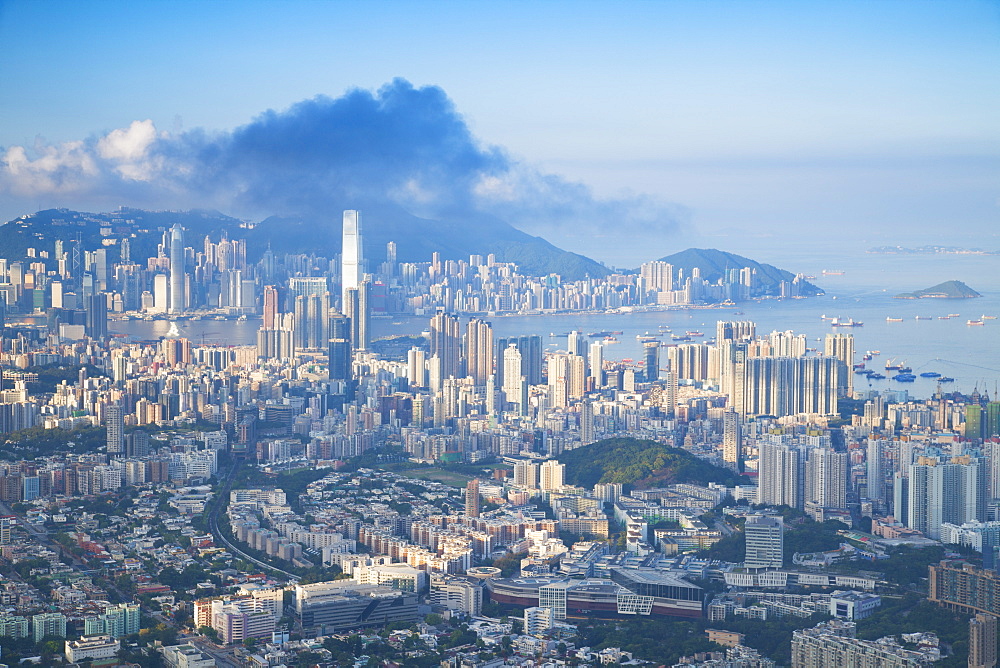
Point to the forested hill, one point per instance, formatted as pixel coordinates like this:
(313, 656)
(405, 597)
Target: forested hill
(639, 463)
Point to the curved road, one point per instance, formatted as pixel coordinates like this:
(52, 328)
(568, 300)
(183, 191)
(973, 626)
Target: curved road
(213, 522)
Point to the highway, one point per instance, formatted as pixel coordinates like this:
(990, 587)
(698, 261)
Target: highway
(213, 522)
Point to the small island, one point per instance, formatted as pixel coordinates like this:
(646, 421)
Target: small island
(946, 290)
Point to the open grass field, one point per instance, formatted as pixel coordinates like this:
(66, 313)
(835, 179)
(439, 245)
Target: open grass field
(437, 475)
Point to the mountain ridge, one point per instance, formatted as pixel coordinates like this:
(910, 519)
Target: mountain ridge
(416, 238)
(714, 263)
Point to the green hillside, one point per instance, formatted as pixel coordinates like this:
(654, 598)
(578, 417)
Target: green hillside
(946, 290)
(713, 265)
(639, 463)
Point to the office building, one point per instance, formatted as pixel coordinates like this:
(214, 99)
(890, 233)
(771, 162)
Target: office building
(94, 648)
(334, 607)
(351, 256)
(178, 282)
(765, 541)
(651, 351)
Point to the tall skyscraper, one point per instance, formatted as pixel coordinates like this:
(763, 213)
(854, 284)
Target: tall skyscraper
(178, 300)
(478, 350)
(446, 343)
(351, 256)
(596, 363)
(530, 348)
(652, 359)
(339, 347)
(270, 307)
(512, 378)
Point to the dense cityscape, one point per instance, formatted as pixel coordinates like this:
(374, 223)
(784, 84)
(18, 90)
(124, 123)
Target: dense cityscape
(327, 497)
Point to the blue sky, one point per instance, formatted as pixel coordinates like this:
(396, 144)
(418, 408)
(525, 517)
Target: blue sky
(879, 117)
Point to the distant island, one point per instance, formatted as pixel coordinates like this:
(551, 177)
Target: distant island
(946, 290)
(930, 250)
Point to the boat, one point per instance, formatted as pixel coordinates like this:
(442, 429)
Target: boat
(921, 317)
(830, 272)
(946, 379)
(930, 374)
(874, 352)
(988, 317)
(242, 318)
(944, 317)
(894, 320)
(610, 339)
(905, 378)
(905, 370)
(695, 334)
(892, 365)
(859, 366)
(645, 337)
(876, 376)
(952, 315)
(862, 372)
(866, 357)
(850, 322)
(977, 323)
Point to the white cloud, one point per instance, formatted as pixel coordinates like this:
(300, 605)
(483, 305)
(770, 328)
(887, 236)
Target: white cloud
(129, 148)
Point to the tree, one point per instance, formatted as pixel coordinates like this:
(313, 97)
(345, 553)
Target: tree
(210, 633)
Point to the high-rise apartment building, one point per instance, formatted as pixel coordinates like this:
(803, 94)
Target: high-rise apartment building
(841, 346)
(938, 491)
(472, 498)
(478, 350)
(552, 475)
(446, 343)
(826, 478)
(983, 641)
(732, 440)
(779, 476)
(114, 423)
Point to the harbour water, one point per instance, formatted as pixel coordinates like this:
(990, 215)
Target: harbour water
(863, 292)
